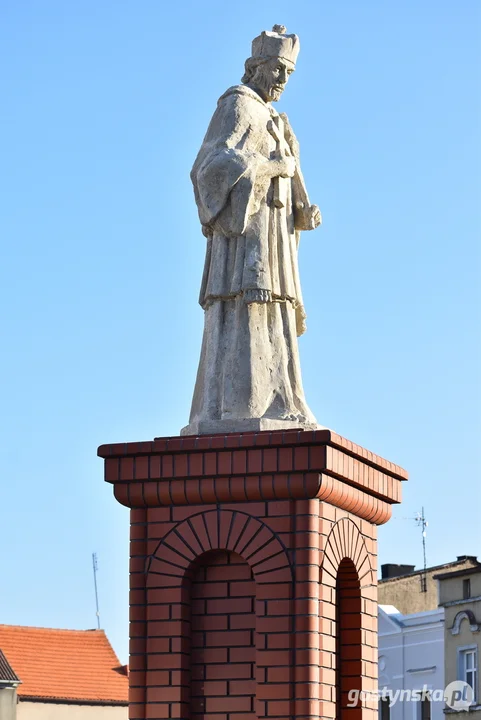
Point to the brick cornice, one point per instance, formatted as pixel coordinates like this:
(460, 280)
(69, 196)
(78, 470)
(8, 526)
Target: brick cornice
(271, 439)
(254, 466)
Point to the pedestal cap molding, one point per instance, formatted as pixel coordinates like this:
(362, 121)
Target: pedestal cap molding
(294, 465)
(192, 443)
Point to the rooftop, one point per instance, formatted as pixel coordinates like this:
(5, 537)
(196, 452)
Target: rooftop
(449, 567)
(64, 665)
(459, 573)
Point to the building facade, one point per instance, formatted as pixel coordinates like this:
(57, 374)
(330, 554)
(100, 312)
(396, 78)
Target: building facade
(411, 658)
(9, 681)
(460, 597)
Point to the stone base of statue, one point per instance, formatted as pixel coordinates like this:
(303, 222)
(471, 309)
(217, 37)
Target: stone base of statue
(215, 427)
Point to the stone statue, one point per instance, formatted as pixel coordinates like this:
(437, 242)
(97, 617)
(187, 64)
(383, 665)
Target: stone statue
(252, 205)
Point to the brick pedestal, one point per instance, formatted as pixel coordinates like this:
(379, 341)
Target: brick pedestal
(253, 573)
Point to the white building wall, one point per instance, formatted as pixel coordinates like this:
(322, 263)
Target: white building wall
(411, 657)
(61, 711)
(8, 703)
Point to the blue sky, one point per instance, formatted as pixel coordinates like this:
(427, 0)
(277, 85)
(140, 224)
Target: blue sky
(104, 107)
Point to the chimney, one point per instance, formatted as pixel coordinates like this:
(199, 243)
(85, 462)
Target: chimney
(390, 570)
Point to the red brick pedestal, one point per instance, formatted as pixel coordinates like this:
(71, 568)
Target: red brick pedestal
(253, 573)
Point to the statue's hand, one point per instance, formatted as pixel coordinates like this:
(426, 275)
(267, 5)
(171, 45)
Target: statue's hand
(282, 166)
(307, 218)
(288, 166)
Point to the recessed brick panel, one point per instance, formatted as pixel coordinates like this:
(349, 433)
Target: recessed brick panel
(222, 653)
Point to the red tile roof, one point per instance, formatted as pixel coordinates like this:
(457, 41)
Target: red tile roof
(75, 665)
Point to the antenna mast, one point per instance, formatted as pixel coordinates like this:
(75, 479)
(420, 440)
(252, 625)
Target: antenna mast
(94, 564)
(423, 523)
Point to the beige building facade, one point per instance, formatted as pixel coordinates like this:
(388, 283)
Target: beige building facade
(73, 711)
(460, 596)
(413, 591)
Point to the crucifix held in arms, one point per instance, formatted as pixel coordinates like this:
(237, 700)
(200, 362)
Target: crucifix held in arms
(276, 129)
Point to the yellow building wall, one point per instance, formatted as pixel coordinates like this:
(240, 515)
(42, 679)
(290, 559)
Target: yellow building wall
(52, 711)
(451, 590)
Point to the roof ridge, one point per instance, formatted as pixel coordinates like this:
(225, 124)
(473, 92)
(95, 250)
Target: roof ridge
(432, 567)
(49, 629)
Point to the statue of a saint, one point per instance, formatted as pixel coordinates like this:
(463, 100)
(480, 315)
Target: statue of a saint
(252, 204)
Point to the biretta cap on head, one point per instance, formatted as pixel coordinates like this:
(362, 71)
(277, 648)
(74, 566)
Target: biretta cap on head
(276, 44)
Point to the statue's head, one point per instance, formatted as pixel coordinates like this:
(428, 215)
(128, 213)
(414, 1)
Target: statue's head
(273, 59)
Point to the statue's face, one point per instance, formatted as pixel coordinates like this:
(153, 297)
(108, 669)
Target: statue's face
(271, 78)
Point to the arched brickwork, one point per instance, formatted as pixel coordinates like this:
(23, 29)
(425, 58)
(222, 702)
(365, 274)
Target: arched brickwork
(169, 571)
(349, 613)
(345, 541)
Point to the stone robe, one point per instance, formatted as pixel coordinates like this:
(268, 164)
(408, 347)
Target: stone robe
(249, 366)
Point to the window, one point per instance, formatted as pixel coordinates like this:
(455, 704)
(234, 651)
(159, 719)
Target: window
(425, 709)
(466, 589)
(384, 709)
(468, 666)
(422, 709)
